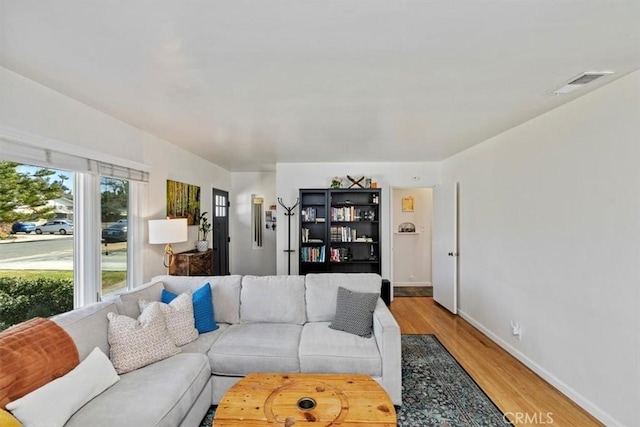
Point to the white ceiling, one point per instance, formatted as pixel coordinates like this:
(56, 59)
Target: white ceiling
(247, 84)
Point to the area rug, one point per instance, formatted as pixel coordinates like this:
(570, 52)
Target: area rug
(413, 291)
(436, 390)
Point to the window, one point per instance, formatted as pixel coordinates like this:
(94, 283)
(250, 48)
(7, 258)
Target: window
(36, 257)
(98, 195)
(114, 204)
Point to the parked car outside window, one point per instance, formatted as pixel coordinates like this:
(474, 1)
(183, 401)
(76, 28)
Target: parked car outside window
(61, 226)
(115, 233)
(22, 227)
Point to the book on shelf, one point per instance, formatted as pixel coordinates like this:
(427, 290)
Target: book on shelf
(352, 214)
(312, 254)
(343, 234)
(308, 214)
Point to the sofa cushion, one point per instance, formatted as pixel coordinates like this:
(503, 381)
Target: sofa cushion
(326, 350)
(55, 402)
(159, 394)
(256, 347)
(204, 342)
(137, 343)
(178, 315)
(88, 326)
(273, 299)
(354, 312)
(225, 292)
(128, 302)
(322, 290)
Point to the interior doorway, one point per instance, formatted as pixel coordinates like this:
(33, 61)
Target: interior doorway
(411, 215)
(220, 232)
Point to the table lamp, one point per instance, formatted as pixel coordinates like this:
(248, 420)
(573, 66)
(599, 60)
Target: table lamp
(168, 231)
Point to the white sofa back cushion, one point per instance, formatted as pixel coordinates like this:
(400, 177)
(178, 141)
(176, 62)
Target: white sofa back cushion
(273, 299)
(88, 326)
(225, 291)
(322, 291)
(128, 302)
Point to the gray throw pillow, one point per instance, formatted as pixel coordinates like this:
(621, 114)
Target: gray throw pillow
(354, 312)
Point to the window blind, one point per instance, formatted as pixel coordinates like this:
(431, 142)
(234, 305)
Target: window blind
(50, 158)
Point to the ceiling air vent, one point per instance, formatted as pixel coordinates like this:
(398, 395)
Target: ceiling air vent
(581, 80)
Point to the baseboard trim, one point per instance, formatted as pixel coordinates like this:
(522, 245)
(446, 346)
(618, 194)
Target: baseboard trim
(416, 284)
(576, 397)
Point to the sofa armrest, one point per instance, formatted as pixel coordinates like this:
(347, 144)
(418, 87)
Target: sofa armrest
(387, 334)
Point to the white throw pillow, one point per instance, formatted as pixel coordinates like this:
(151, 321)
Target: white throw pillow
(178, 315)
(137, 343)
(54, 403)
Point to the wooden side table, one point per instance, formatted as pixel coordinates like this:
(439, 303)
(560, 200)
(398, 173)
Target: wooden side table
(192, 263)
(262, 399)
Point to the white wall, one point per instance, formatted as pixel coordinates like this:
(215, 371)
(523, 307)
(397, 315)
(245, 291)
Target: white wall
(290, 177)
(549, 237)
(171, 162)
(30, 107)
(245, 259)
(411, 254)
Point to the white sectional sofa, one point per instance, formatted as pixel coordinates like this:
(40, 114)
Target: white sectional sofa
(266, 324)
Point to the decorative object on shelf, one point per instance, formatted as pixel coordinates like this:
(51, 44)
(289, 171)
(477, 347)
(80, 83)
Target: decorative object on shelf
(336, 182)
(270, 219)
(407, 227)
(289, 213)
(407, 204)
(183, 201)
(204, 227)
(168, 231)
(356, 181)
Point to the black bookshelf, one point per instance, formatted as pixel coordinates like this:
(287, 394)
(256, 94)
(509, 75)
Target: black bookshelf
(339, 231)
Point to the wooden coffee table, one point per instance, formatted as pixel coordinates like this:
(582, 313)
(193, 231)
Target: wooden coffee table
(305, 400)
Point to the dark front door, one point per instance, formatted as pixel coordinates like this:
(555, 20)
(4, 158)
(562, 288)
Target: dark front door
(220, 232)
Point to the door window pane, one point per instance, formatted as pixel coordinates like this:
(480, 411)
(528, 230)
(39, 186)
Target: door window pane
(114, 196)
(36, 231)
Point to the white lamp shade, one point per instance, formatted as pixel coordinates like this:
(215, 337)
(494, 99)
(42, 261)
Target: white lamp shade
(168, 230)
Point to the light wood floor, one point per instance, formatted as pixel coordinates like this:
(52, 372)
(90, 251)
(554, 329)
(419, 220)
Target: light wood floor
(519, 392)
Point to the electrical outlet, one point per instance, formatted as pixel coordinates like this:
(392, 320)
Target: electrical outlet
(516, 330)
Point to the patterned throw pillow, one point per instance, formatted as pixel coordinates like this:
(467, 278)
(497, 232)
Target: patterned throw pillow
(354, 312)
(137, 343)
(202, 308)
(179, 317)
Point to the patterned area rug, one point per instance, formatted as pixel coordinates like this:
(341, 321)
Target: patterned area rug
(413, 291)
(436, 390)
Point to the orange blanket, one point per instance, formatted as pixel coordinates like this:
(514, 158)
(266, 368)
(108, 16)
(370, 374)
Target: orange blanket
(32, 354)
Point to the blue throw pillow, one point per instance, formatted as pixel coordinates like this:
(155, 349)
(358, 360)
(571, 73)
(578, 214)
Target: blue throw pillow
(202, 308)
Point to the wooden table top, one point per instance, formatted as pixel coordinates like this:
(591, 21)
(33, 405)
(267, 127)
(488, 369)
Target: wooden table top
(282, 400)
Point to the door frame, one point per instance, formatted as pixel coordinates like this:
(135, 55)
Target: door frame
(392, 190)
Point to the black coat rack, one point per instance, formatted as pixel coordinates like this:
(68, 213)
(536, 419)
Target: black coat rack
(289, 213)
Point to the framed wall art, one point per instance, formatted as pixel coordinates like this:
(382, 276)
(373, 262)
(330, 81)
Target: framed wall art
(407, 204)
(183, 201)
